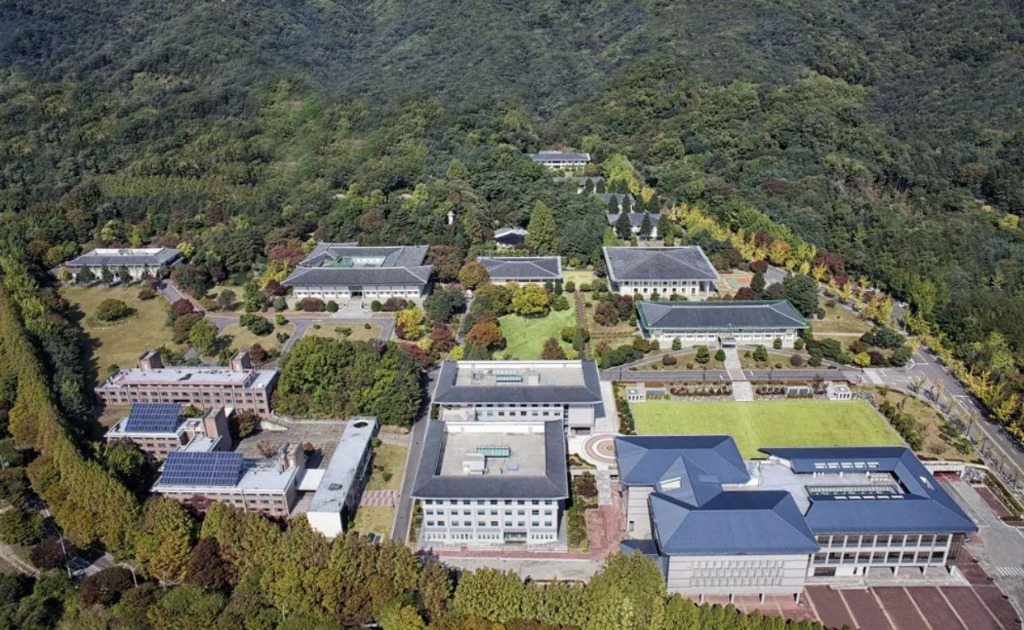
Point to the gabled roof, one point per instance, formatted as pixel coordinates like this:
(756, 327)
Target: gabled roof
(326, 265)
(769, 314)
(925, 507)
(553, 484)
(636, 219)
(736, 522)
(658, 263)
(447, 391)
(522, 268)
(155, 257)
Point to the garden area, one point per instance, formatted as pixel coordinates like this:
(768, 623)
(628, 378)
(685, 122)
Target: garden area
(758, 424)
(388, 464)
(939, 438)
(838, 320)
(120, 340)
(583, 496)
(243, 338)
(377, 519)
(525, 336)
(351, 332)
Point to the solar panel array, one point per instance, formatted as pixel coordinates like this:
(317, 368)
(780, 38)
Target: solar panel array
(202, 469)
(153, 418)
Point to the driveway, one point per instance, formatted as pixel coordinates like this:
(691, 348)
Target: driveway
(403, 515)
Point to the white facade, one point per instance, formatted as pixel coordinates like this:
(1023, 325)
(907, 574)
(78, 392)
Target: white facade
(338, 293)
(690, 289)
(694, 576)
(854, 554)
(712, 337)
(490, 522)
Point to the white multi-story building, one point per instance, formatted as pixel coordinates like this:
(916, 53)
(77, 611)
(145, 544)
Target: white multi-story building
(492, 485)
(341, 485)
(343, 271)
(137, 262)
(566, 392)
(727, 323)
(559, 161)
(667, 271)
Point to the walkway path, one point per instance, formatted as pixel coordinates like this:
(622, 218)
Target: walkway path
(388, 498)
(742, 391)
(581, 317)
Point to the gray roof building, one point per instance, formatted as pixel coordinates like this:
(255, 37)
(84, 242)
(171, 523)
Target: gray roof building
(636, 219)
(522, 269)
(500, 463)
(520, 382)
(510, 238)
(344, 478)
(719, 316)
(621, 199)
(558, 157)
(658, 263)
(348, 264)
(155, 257)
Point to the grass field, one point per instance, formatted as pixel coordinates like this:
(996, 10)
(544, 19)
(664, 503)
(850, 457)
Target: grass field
(524, 338)
(392, 459)
(359, 332)
(929, 423)
(838, 319)
(757, 424)
(119, 343)
(374, 518)
(578, 276)
(242, 339)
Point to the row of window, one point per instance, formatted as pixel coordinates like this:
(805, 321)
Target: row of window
(484, 502)
(735, 581)
(442, 523)
(442, 512)
(883, 539)
(881, 557)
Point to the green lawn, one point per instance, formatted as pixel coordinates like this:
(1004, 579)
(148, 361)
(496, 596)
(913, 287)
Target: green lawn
(757, 424)
(359, 331)
(525, 337)
(391, 459)
(838, 319)
(243, 339)
(118, 343)
(378, 519)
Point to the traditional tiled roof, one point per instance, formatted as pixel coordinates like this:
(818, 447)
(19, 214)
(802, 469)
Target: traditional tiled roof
(522, 268)
(724, 315)
(658, 263)
(558, 156)
(326, 265)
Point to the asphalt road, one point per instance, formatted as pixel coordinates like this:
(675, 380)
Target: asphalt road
(710, 376)
(403, 513)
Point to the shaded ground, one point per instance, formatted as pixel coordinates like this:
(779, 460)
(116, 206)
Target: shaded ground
(525, 337)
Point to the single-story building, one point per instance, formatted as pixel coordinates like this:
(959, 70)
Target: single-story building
(510, 238)
(636, 220)
(522, 269)
(641, 271)
(581, 182)
(136, 262)
(342, 271)
(728, 323)
(623, 201)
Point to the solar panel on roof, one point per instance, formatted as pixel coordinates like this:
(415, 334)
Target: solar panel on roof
(202, 469)
(153, 418)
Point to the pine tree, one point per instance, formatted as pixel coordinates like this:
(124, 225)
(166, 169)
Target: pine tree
(541, 230)
(645, 226)
(623, 227)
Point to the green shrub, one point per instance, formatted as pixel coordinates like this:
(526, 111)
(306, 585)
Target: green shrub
(111, 310)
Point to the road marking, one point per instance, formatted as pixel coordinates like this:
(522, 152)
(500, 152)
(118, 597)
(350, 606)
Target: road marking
(1010, 571)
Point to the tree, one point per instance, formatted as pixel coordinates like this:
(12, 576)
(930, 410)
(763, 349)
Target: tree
(258, 354)
(311, 305)
(183, 326)
(185, 606)
(623, 226)
(443, 304)
(193, 280)
(203, 336)
(105, 587)
(646, 226)
(128, 462)
(442, 339)
(677, 343)
(181, 307)
(530, 299)
(256, 324)
(474, 275)
(111, 310)
(720, 355)
(19, 526)
(226, 300)
(447, 260)
(409, 324)
(244, 423)
(435, 588)
(605, 314)
(552, 350)
(49, 553)
(760, 354)
(541, 231)
(206, 568)
(85, 276)
(757, 284)
(777, 343)
(485, 335)
(802, 293)
(703, 355)
(165, 541)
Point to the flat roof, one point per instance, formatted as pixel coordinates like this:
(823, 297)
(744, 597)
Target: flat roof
(340, 473)
(256, 475)
(552, 382)
(493, 461)
(128, 256)
(252, 379)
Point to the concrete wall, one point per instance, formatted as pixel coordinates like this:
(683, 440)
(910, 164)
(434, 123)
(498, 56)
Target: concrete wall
(711, 337)
(330, 292)
(638, 514)
(484, 523)
(853, 554)
(737, 575)
(691, 289)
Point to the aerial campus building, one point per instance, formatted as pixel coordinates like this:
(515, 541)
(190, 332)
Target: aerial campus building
(139, 263)
(522, 269)
(717, 525)
(510, 238)
(567, 393)
(238, 385)
(342, 482)
(727, 323)
(559, 161)
(490, 484)
(641, 271)
(343, 271)
(159, 429)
